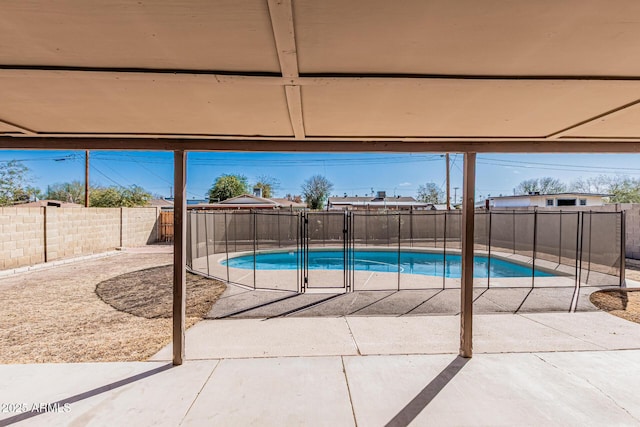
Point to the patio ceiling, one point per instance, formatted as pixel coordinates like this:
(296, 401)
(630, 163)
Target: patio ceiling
(226, 73)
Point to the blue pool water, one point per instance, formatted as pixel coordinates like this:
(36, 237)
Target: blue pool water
(428, 264)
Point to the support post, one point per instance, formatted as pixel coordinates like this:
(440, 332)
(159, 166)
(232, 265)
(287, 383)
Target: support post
(466, 291)
(448, 183)
(179, 255)
(86, 180)
(623, 249)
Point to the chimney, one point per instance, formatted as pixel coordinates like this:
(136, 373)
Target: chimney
(381, 195)
(257, 191)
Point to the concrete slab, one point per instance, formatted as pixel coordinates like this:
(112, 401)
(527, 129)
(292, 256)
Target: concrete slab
(242, 300)
(584, 301)
(275, 392)
(520, 389)
(444, 302)
(614, 373)
(406, 335)
(605, 330)
(279, 308)
(498, 333)
(215, 339)
(548, 299)
(398, 303)
(142, 393)
(233, 290)
(381, 386)
(500, 300)
(345, 304)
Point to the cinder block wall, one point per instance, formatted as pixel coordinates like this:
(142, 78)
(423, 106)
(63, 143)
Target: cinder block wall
(75, 232)
(22, 238)
(632, 224)
(140, 226)
(36, 235)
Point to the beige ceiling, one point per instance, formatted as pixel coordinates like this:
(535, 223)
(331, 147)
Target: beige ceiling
(340, 70)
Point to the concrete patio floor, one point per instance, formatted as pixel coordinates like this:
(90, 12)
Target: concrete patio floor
(529, 369)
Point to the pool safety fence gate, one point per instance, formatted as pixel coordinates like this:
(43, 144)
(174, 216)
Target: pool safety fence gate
(580, 248)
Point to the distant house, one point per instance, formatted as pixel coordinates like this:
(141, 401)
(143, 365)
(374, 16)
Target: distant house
(163, 204)
(381, 201)
(192, 201)
(535, 199)
(249, 201)
(48, 203)
(289, 204)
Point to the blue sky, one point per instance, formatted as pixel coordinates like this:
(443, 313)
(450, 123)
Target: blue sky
(354, 174)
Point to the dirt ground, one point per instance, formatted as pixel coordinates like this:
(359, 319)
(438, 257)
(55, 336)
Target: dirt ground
(56, 315)
(624, 303)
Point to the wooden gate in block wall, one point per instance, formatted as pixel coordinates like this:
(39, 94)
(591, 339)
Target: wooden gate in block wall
(166, 226)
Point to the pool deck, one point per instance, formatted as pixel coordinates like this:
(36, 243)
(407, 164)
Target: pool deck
(538, 369)
(534, 369)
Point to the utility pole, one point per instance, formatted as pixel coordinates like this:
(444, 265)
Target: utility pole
(455, 194)
(86, 178)
(448, 184)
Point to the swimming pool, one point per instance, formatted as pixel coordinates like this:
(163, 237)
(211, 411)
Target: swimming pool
(411, 262)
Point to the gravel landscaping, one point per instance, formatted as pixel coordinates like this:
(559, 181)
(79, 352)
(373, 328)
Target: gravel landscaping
(84, 312)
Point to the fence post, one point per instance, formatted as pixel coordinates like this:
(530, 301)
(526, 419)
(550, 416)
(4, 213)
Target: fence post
(255, 242)
(226, 242)
(513, 217)
(235, 232)
(388, 232)
(366, 229)
(197, 234)
(623, 248)
(489, 254)
(399, 230)
(560, 241)
(444, 251)
(435, 229)
(213, 230)
(590, 245)
(206, 242)
(411, 228)
(279, 236)
(535, 242)
(577, 247)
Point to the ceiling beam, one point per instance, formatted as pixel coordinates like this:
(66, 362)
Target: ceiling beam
(18, 128)
(7, 68)
(281, 13)
(294, 103)
(608, 114)
(344, 146)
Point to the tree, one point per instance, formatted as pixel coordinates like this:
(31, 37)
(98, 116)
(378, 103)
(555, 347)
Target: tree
(70, 192)
(546, 185)
(267, 184)
(624, 190)
(114, 197)
(595, 184)
(14, 184)
(294, 198)
(227, 186)
(316, 191)
(430, 193)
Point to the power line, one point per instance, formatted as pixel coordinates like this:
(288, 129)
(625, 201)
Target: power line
(550, 165)
(106, 176)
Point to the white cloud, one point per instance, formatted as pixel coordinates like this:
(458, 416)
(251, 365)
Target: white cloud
(404, 184)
